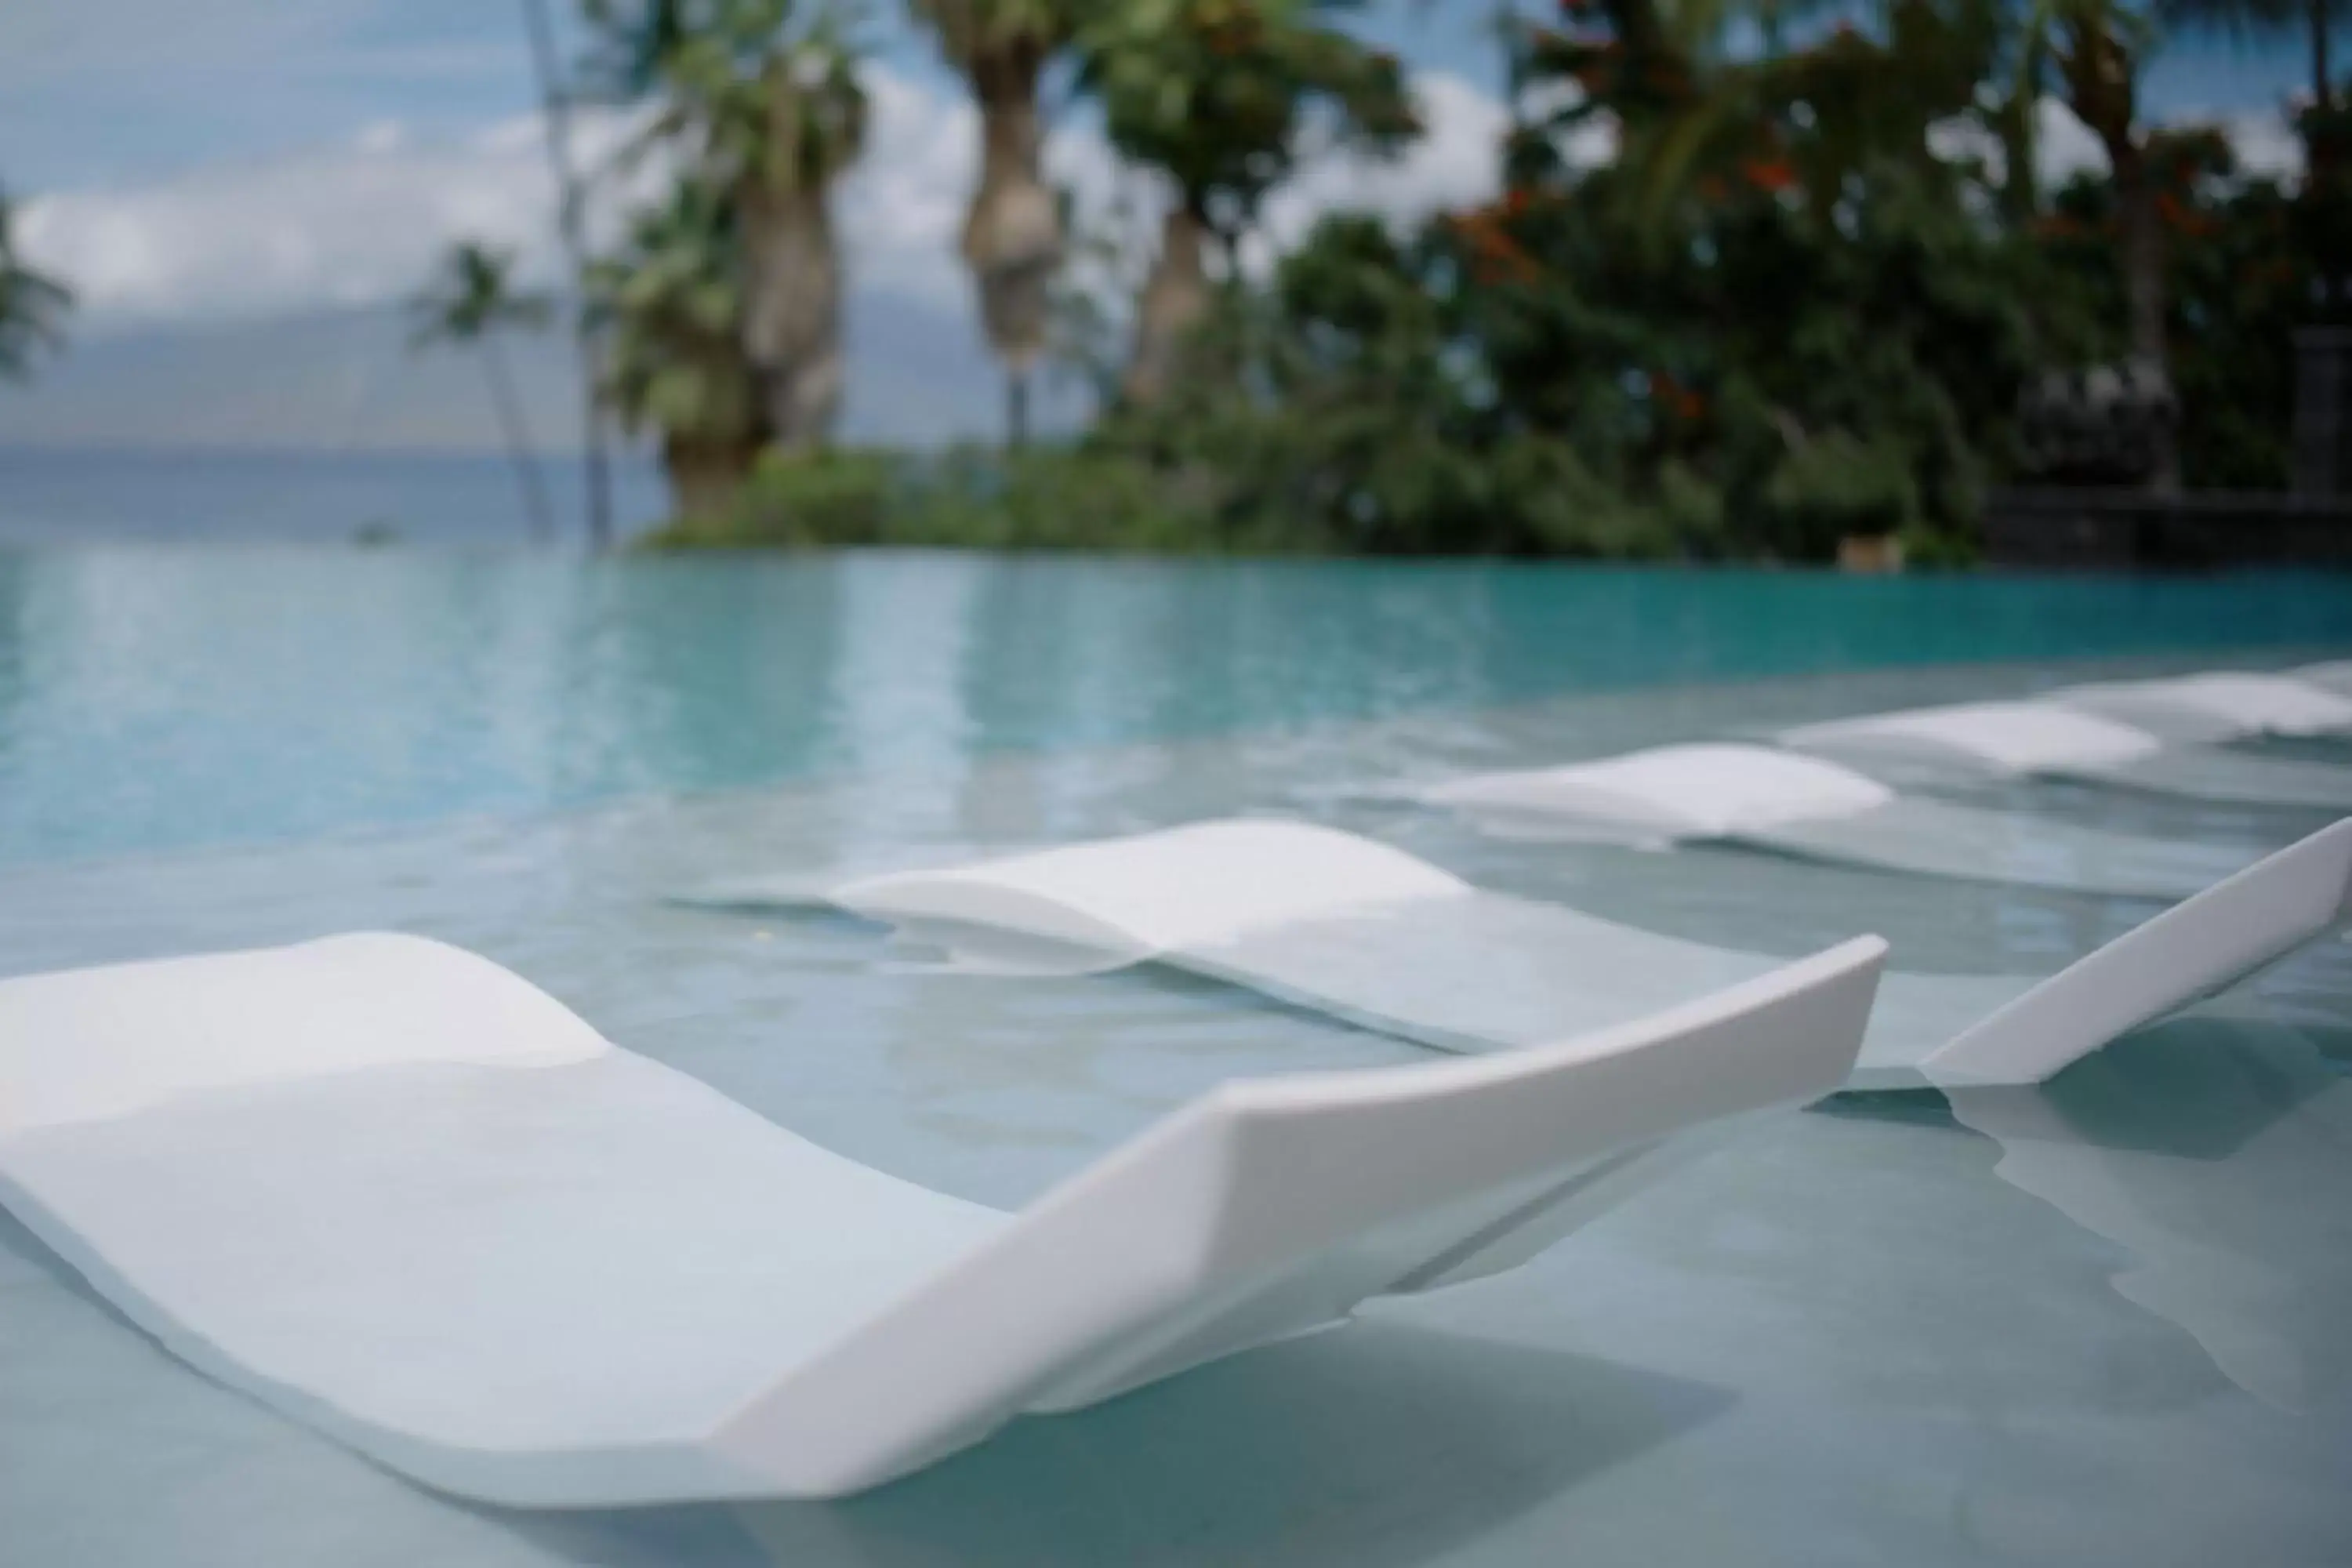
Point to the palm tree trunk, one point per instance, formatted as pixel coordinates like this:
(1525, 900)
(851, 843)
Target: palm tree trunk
(1013, 231)
(2320, 18)
(792, 318)
(554, 111)
(1175, 299)
(1016, 409)
(2101, 86)
(2144, 290)
(518, 439)
(706, 478)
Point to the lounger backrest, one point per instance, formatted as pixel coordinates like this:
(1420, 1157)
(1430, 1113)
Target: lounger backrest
(2002, 737)
(1160, 892)
(1674, 791)
(2217, 705)
(143, 1033)
(2335, 675)
(2190, 950)
(1274, 1207)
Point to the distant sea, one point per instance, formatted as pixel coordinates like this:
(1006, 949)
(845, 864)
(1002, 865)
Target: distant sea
(63, 497)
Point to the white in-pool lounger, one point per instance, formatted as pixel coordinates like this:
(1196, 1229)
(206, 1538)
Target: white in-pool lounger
(2014, 740)
(1811, 806)
(401, 1193)
(2223, 705)
(1365, 933)
(2333, 675)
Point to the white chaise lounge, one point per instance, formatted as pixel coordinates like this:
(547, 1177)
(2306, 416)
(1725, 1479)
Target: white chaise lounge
(2221, 705)
(2331, 675)
(1364, 932)
(1812, 806)
(2027, 740)
(402, 1194)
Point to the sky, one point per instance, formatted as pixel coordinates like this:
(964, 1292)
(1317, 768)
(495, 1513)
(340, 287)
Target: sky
(242, 190)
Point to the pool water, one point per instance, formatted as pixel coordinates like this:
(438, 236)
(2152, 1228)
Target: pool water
(153, 698)
(2100, 1321)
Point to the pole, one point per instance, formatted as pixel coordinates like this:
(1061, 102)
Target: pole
(556, 114)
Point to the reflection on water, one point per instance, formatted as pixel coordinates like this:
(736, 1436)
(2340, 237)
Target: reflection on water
(2216, 1152)
(1384, 1446)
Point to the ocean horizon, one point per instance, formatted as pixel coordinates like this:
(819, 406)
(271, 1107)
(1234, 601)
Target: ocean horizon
(67, 496)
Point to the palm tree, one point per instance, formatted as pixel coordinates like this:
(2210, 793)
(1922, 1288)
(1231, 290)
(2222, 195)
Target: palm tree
(555, 112)
(671, 306)
(1215, 94)
(2097, 47)
(32, 305)
(1012, 238)
(763, 100)
(473, 301)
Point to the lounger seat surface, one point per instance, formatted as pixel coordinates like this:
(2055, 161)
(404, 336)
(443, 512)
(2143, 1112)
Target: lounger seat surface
(402, 1194)
(1808, 806)
(2331, 675)
(2218, 706)
(2005, 740)
(1463, 969)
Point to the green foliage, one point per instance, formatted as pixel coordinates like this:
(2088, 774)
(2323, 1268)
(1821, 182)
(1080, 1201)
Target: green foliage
(472, 296)
(970, 30)
(1798, 306)
(33, 306)
(1834, 485)
(830, 497)
(758, 92)
(669, 303)
(1216, 92)
(1038, 499)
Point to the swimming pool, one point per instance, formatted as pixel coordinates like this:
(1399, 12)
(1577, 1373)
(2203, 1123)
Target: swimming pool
(2098, 1321)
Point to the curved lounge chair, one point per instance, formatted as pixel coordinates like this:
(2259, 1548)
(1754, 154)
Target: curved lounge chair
(1798, 804)
(399, 1192)
(2332, 675)
(2024, 740)
(1365, 933)
(2221, 705)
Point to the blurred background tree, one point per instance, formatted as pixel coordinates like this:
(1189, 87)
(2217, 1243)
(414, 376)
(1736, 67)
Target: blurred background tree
(473, 303)
(759, 101)
(32, 305)
(1219, 97)
(1757, 277)
(677, 364)
(1013, 240)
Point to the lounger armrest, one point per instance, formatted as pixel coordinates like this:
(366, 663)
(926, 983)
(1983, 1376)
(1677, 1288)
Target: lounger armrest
(2188, 951)
(1272, 1206)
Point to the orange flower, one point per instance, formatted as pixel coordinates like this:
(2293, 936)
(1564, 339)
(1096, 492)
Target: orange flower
(1676, 399)
(1773, 174)
(1495, 255)
(2179, 219)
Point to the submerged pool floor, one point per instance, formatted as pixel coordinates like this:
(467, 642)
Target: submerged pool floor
(2106, 1321)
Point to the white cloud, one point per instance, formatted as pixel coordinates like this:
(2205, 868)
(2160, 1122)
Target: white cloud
(900, 209)
(2265, 144)
(363, 222)
(358, 223)
(1452, 165)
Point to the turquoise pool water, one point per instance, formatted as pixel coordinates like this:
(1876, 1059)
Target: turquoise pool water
(153, 698)
(2101, 1321)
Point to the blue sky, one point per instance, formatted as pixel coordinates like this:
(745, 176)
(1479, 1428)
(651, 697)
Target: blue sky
(212, 167)
(109, 90)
